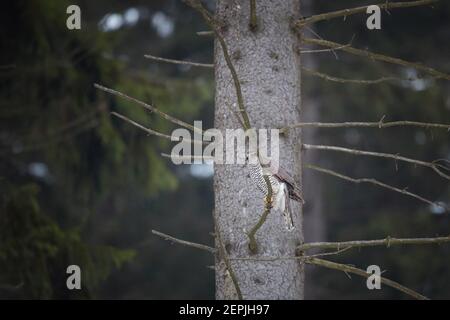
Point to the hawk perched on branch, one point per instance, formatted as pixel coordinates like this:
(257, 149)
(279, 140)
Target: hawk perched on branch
(283, 187)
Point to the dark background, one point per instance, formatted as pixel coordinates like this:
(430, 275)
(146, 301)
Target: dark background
(78, 186)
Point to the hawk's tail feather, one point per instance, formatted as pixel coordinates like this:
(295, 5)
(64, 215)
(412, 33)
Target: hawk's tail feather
(296, 194)
(287, 213)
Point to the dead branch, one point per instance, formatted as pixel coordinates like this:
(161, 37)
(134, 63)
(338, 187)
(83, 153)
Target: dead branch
(349, 269)
(374, 182)
(150, 108)
(340, 246)
(253, 19)
(380, 125)
(379, 57)
(348, 12)
(433, 165)
(184, 242)
(388, 241)
(153, 132)
(303, 51)
(354, 81)
(188, 63)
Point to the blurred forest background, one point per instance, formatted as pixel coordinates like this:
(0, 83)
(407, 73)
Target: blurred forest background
(80, 187)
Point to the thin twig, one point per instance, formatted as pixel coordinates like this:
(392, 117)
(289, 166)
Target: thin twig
(338, 251)
(388, 241)
(333, 50)
(150, 108)
(348, 12)
(184, 242)
(226, 260)
(183, 62)
(374, 182)
(380, 124)
(188, 63)
(253, 19)
(433, 165)
(362, 273)
(321, 50)
(355, 81)
(377, 56)
(155, 133)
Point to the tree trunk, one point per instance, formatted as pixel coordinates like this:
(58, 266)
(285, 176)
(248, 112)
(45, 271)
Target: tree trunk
(268, 65)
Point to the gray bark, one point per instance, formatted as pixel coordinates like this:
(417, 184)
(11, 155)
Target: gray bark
(268, 64)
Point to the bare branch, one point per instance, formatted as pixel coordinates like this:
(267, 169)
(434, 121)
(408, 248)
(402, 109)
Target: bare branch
(379, 57)
(433, 165)
(155, 133)
(372, 243)
(302, 51)
(374, 182)
(184, 242)
(348, 12)
(197, 5)
(349, 269)
(253, 19)
(226, 260)
(355, 81)
(338, 251)
(150, 108)
(380, 124)
(333, 50)
(188, 63)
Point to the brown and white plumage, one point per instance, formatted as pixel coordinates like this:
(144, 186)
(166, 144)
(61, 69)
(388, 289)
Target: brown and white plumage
(283, 188)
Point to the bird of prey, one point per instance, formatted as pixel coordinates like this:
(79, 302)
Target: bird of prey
(283, 186)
